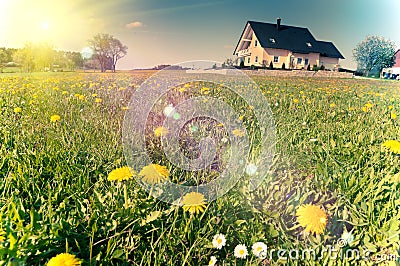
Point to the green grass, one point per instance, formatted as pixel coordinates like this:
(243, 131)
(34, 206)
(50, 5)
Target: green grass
(55, 196)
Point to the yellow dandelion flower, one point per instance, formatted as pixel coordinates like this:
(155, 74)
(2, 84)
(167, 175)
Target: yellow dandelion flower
(332, 105)
(393, 115)
(205, 90)
(194, 202)
(295, 100)
(64, 92)
(238, 132)
(160, 131)
(124, 108)
(94, 94)
(55, 118)
(81, 97)
(368, 105)
(391, 107)
(312, 217)
(2, 235)
(98, 100)
(364, 109)
(309, 101)
(392, 145)
(17, 110)
(120, 174)
(154, 173)
(64, 259)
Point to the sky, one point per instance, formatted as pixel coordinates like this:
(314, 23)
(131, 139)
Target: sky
(174, 31)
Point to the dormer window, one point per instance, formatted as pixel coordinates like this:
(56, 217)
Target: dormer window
(308, 44)
(272, 40)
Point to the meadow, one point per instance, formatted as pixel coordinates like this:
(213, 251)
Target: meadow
(337, 159)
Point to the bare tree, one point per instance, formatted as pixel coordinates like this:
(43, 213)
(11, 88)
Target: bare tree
(107, 50)
(117, 51)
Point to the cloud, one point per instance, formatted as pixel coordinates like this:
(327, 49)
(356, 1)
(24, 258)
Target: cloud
(135, 24)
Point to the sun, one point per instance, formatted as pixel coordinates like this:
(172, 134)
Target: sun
(44, 25)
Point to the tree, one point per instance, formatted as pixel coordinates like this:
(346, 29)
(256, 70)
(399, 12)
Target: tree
(3, 59)
(107, 50)
(374, 53)
(25, 57)
(118, 50)
(283, 66)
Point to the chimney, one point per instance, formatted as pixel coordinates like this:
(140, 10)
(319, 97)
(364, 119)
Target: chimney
(278, 23)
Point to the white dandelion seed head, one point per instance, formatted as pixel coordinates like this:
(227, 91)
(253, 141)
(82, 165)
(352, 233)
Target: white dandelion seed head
(251, 169)
(169, 110)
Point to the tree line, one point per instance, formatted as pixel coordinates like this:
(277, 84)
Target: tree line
(106, 50)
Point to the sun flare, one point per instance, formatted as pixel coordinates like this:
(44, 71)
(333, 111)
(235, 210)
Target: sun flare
(44, 25)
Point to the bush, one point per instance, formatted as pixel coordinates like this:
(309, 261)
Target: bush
(252, 67)
(315, 68)
(322, 67)
(241, 64)
(271, 66)
(283, 66)
(308, 67)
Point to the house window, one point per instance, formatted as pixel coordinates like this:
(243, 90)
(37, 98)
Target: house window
(276, 59)
(299, 60)
(255, 43)
(248, 60)
(256, 59)
(306, 61)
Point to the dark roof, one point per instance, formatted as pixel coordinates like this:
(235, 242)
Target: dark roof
(328, 49)
(291, 38)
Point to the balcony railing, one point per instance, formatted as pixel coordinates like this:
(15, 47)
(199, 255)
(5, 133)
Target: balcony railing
(244, 52)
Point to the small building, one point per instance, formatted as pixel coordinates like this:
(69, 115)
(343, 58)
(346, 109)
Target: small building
(262, 43)
(394, 71)
(397, 59)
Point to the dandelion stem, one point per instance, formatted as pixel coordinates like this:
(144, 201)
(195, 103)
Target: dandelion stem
(125, 197)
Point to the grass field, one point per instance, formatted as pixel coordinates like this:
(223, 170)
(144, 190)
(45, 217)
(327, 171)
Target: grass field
(60, 137)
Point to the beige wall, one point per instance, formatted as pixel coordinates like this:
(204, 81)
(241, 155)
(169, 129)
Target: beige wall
(328, 62)
(268, 54)
(256, 51)
(313, 59)
(271, 52)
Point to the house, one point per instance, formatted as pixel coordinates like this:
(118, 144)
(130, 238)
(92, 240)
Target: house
(262, 43)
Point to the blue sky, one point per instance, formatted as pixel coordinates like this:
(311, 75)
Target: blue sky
(167, 32)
